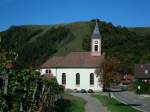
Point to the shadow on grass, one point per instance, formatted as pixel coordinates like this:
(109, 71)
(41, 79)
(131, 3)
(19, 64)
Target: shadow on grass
(115, 90)
(121, 104)
(62, 105)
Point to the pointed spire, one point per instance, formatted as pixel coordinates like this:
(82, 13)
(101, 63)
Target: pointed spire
(96, 32)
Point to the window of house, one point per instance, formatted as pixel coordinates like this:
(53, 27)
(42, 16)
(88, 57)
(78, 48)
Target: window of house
(146, 72)
(77, 79)
(96, 48)
(91, 79)
(63, 78)
(47, 71)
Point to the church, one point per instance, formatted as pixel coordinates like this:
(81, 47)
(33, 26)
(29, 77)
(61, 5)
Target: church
(76, 70)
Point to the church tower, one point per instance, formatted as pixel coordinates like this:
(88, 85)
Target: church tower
(96, 41)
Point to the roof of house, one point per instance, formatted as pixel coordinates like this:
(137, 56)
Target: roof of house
(96, 32)
(74, 60)
(142, 71)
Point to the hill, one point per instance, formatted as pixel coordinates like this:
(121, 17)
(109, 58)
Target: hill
(34, 44)
(141, 30)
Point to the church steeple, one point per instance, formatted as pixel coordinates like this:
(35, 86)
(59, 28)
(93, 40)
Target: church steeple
(96, 41)
(96, 32)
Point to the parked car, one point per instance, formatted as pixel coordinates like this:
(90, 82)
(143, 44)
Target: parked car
(90, 91)
(83, 91)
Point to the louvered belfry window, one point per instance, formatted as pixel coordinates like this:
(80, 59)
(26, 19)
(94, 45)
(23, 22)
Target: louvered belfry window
(96, 48)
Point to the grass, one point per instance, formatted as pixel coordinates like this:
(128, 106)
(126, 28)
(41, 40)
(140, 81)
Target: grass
(73, 104)
(147, 98)
(114, 105)
(79, 30)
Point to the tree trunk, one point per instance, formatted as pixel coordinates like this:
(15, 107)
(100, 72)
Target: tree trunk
(33, 97)
(21, 107)
(6, 84)
(5, 91)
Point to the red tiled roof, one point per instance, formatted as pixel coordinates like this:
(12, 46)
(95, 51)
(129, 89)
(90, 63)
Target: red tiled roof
(74, 59)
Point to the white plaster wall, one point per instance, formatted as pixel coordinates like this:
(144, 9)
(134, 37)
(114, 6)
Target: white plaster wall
(71, 78)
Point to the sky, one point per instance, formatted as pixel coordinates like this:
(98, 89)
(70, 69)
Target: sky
(129, 13)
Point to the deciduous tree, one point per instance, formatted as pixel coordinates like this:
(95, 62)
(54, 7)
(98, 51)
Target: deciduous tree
(106, 72)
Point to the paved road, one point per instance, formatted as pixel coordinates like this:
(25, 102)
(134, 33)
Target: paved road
(92, 105)
(135, 101)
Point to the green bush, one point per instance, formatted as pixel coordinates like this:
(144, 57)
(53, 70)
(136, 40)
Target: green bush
(144, 87)
(27, 91)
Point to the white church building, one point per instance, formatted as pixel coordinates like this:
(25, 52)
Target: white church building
(76, 70)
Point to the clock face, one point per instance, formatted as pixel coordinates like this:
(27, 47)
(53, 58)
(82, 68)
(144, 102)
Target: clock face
(96, 42)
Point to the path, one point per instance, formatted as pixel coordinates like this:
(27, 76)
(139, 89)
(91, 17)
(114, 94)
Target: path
(92, 104)
(135, 101)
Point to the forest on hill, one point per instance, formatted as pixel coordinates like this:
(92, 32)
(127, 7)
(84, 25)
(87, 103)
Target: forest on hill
(140, 30)
(35, 44)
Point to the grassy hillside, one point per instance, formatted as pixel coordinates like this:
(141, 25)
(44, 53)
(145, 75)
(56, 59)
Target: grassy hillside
(34, 44)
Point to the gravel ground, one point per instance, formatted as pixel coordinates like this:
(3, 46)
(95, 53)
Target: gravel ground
(92, 104)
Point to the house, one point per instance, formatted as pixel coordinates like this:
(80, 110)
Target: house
(76, 70)
(127, 79)
(123, 79)
(142, 72)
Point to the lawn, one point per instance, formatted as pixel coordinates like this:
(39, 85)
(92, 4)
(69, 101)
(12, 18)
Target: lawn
(73, 104)
(114, 105)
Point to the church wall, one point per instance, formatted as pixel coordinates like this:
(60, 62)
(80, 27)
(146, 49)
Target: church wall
(71, 78)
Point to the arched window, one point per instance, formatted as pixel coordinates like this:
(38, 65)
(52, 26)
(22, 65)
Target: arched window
(91, 79)
(96, 48)
(77, 79)
(64, 78)
(47, 71)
